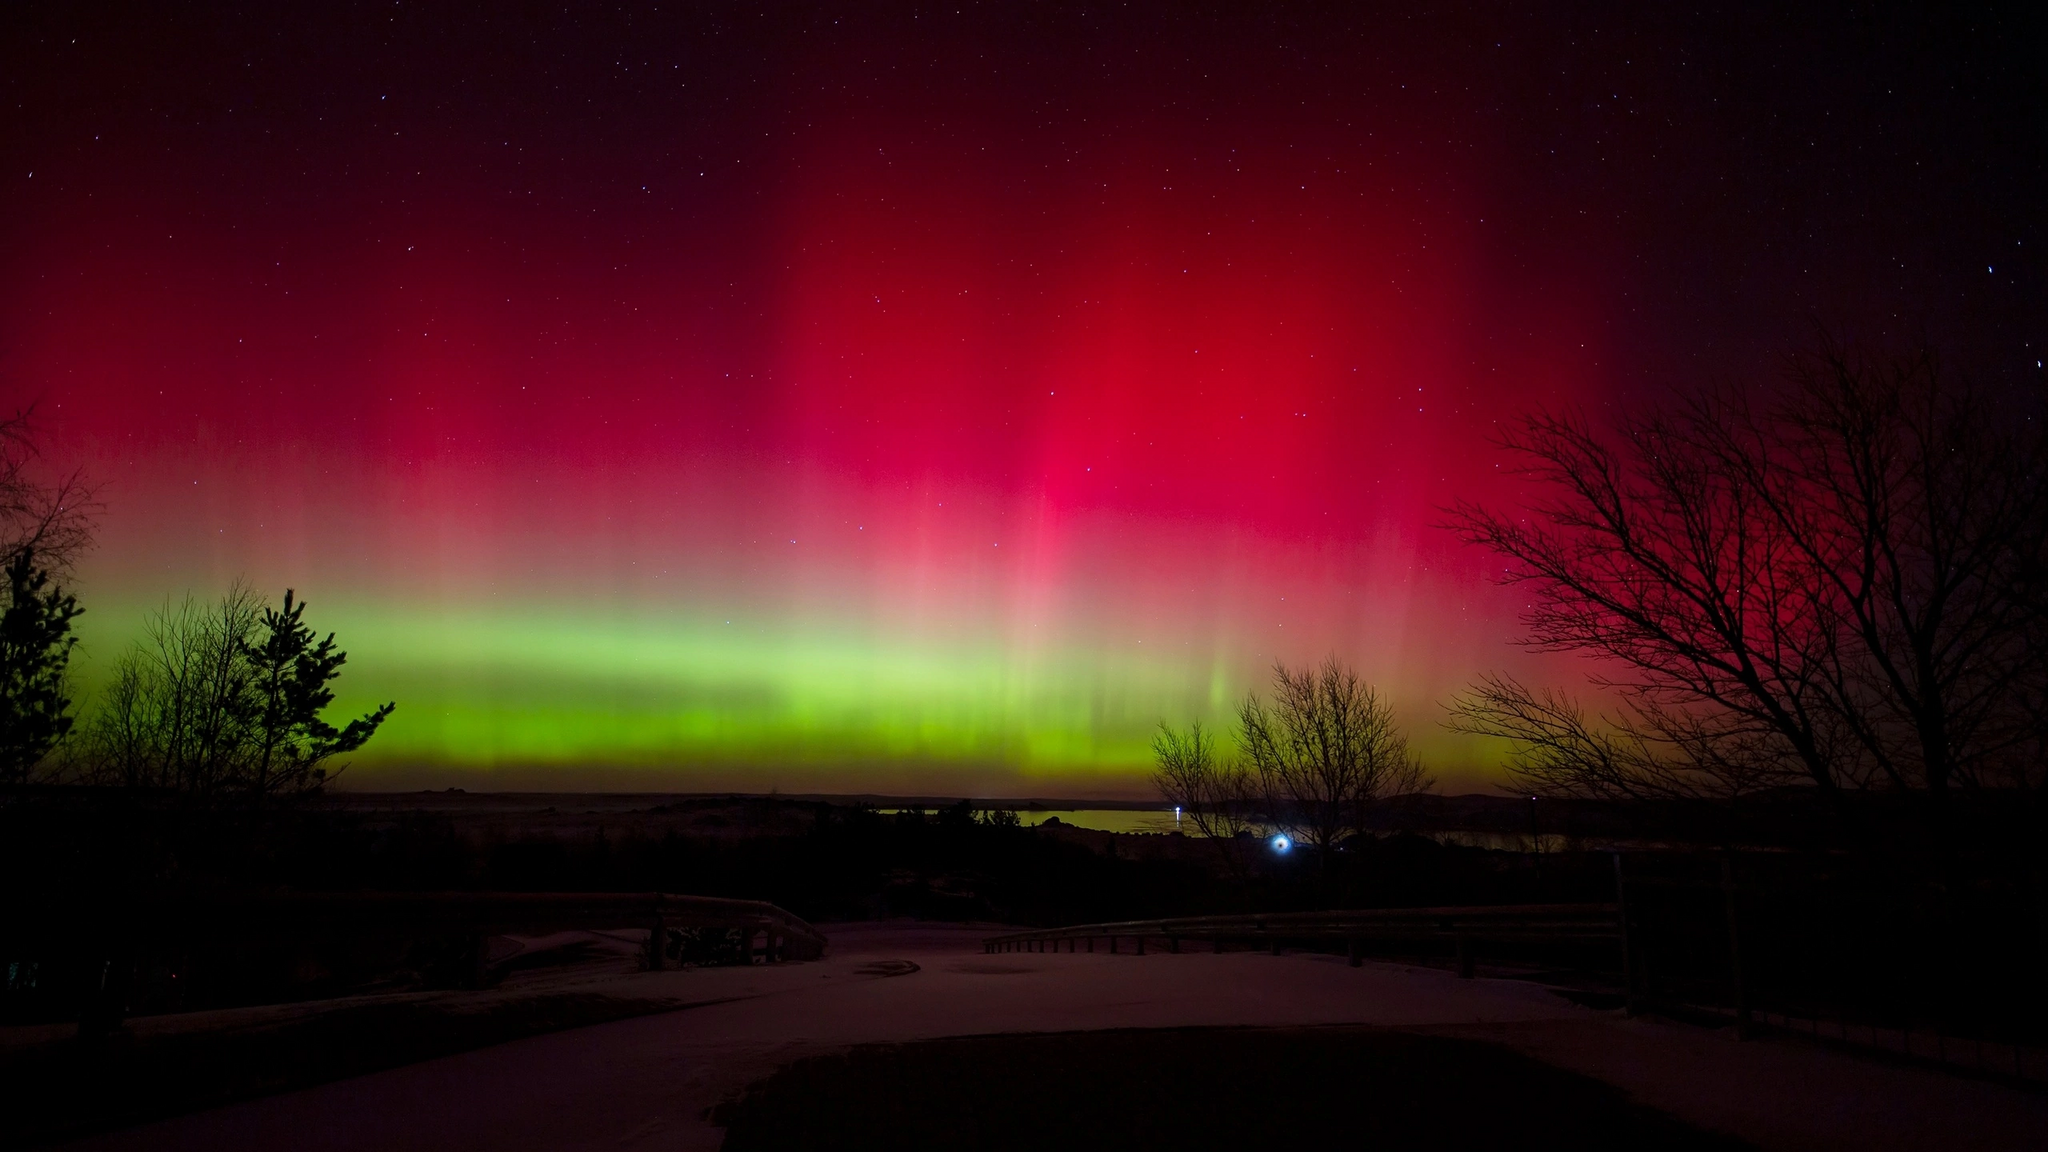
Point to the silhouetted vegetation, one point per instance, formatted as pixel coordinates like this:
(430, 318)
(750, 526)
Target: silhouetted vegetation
(1313, 763)
(51, 517)
(223, 701)
(45, 525)
(1212, 790)
(1838, 585)
(35, 652)
(1825, 609)
(217, 701)
(1324, 752)
(94, 848)
(1825, 933)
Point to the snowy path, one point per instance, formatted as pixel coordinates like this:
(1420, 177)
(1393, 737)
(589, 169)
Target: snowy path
(646, 1083)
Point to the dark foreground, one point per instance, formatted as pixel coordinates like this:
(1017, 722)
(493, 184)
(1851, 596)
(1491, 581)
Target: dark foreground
(652, 1082)
(64, 1087)
(1193, 1088)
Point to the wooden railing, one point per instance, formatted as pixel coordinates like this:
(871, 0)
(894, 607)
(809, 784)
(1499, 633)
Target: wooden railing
(116, 934)
(1462, 928)
(296, 914)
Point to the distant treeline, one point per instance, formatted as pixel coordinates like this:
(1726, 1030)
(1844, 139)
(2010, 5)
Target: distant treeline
(97, 848)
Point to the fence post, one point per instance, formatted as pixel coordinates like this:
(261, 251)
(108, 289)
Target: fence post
(1631, 1002)
(657, 943)
(1141, 945)
(477, 964)
(106, 1005)
(1737, 984)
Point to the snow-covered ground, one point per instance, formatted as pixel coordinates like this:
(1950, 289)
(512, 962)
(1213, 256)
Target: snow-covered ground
(647, 1083)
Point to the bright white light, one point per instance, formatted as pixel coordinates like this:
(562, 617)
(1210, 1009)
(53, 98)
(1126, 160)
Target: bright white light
(1281, 844)
(1176, 815)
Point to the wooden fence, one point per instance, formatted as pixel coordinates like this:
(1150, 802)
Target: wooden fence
(1712, 958)
(1723, 936)
(1462, 929)
(112, 934)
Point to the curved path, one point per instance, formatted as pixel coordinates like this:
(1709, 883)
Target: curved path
(647, 1083)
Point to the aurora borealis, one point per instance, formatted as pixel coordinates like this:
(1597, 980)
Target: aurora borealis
(899, 397)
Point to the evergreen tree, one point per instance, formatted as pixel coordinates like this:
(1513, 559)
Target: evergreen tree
(291, 686)
(35, 649)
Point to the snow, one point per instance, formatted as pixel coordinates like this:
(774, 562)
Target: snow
(648, 1082)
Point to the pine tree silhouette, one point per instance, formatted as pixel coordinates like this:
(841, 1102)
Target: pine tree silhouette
(291, 688)
(35, 649)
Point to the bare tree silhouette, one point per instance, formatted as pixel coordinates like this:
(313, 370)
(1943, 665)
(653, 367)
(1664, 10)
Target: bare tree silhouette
(1324, 752)
(1637, 751)
(1840, 584)
(224, 699)
(51, 517)
(1218, 795)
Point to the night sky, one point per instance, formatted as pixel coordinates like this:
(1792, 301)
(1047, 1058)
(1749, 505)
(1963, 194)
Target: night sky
(933, 397)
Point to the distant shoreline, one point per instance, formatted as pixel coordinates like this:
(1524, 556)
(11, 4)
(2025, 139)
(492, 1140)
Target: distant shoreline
(459, 797)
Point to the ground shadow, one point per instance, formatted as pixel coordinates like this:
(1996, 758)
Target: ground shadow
(1191, 1089)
